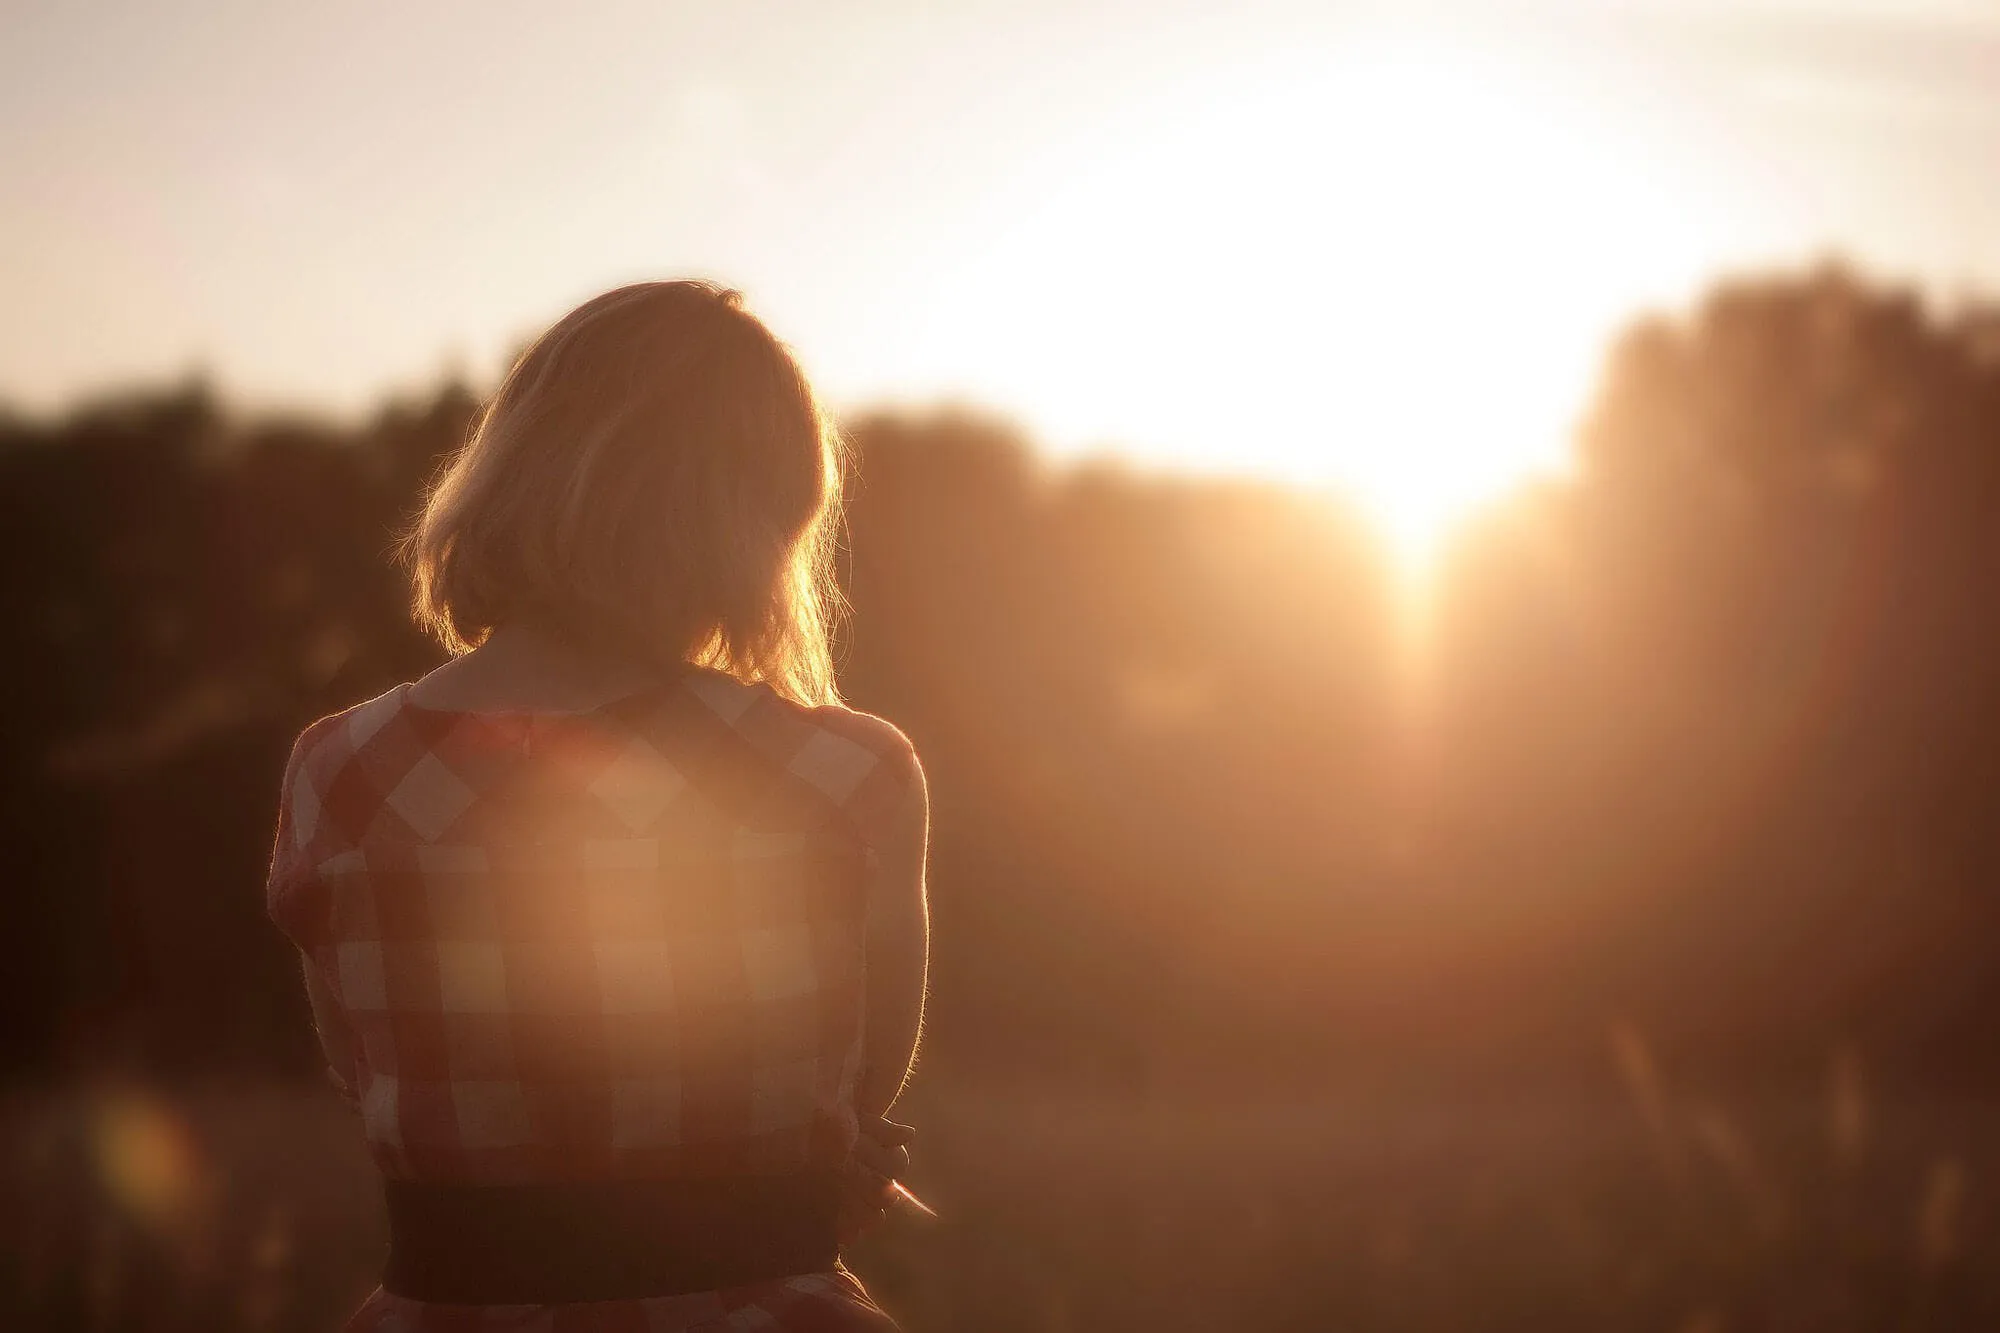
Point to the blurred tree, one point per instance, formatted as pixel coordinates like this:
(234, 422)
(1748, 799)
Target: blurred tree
(1707, 736)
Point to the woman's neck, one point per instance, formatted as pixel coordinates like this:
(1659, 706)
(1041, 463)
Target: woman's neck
(524, 665)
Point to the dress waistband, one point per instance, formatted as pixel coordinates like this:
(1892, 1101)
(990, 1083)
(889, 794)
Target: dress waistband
(553, 1244)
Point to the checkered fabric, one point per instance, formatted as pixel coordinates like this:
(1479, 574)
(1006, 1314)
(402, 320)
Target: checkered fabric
(621, 944)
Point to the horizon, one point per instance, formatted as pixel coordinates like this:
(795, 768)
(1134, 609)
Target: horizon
(1224, 245)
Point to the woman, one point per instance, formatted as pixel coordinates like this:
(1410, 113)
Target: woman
(614, 925)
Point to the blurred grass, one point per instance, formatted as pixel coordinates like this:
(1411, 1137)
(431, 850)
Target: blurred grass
(251, 1206)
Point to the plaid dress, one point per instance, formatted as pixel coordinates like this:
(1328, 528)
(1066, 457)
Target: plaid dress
(612, 945)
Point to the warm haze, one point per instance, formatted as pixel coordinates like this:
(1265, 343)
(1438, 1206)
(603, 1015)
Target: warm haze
(1421, 575)
(1239, 246)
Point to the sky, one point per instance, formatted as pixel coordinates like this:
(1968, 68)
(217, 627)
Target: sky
(1242, 237)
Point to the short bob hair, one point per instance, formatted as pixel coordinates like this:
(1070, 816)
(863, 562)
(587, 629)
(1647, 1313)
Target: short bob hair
(653, 478)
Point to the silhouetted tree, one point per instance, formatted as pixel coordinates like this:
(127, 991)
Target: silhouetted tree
(1707, 736)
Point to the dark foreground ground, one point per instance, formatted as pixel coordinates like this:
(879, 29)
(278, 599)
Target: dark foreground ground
(252, 1207)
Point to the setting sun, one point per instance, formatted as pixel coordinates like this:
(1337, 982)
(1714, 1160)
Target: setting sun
(1317, 664)
(1267, 279)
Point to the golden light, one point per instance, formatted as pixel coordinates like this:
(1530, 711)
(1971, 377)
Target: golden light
(1391, 273)
(148, 1160)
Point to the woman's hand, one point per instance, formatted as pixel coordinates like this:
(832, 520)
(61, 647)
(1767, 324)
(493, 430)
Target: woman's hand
(881, 1157)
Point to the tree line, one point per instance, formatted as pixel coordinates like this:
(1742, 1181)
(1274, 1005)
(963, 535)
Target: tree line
(1702, 739)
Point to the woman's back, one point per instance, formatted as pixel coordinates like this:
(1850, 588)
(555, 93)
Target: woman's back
(619, 943)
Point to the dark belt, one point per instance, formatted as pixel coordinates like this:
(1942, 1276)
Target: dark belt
(619, 1240)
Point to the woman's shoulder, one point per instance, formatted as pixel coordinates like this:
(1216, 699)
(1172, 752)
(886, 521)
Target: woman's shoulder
(331, 740)
(761, 710)
(879, 736)
(311, 831)
(866, 764)
(862, 763)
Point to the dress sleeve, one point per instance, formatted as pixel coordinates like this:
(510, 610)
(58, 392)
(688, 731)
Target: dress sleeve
(291, 895)
(297, 902)
(888, 769)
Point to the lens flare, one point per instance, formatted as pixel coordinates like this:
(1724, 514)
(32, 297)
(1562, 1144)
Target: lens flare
(148, 1161)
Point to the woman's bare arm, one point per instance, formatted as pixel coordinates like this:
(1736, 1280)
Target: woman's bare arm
(898, 951)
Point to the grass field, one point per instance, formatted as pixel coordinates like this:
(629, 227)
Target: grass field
(251, 1207)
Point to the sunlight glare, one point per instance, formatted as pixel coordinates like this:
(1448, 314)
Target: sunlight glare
(1391, 275)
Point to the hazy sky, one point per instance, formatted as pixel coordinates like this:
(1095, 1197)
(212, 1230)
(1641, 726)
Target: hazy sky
(1119, 221)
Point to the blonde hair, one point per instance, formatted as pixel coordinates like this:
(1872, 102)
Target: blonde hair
(654, 477)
